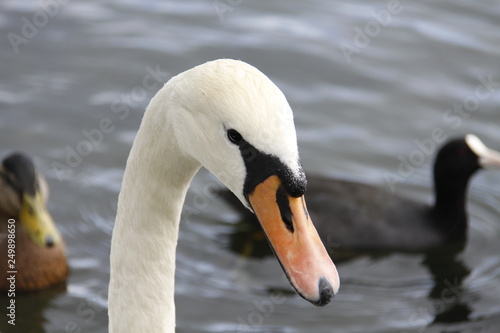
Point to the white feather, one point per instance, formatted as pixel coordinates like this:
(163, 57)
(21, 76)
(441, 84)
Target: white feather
(184, 127)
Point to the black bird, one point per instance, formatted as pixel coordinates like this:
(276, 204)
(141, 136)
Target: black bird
(356, 216)
(358, 219)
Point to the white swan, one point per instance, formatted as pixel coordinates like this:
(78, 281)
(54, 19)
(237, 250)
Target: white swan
(230, 118)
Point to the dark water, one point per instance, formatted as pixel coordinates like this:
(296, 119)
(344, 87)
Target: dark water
(366, 80)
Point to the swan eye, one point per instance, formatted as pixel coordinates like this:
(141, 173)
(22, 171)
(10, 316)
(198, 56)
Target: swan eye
(234, 136)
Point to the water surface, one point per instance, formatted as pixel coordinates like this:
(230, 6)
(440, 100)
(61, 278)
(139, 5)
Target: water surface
(357, 115)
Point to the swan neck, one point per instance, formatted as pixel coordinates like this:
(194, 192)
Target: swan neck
(156, 178)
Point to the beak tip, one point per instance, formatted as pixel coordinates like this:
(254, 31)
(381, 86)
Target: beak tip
(326, 292)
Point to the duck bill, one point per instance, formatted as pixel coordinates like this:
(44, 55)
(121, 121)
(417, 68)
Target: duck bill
(37, 221)
(295, 241)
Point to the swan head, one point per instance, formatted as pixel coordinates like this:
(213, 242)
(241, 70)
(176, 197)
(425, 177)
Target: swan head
(231, 119)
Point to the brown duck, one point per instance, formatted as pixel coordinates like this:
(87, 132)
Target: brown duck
(30, 244)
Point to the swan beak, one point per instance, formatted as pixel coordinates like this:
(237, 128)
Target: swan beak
(37, 221)
(295, 241)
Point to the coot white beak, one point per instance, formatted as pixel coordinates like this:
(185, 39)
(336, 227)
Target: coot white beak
(488, 158)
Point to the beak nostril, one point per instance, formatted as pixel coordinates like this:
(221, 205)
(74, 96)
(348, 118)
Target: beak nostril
(49, 241)
(284, 207)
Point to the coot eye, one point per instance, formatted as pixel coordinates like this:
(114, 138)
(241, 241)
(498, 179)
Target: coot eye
(234, 136)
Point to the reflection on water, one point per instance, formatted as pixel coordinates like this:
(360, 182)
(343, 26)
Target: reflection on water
(419, 73)
(29, 310)
(443, 263)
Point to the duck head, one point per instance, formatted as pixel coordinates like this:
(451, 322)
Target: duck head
(24, 198)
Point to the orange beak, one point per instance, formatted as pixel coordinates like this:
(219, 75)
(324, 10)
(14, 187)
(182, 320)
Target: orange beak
(295, 241)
